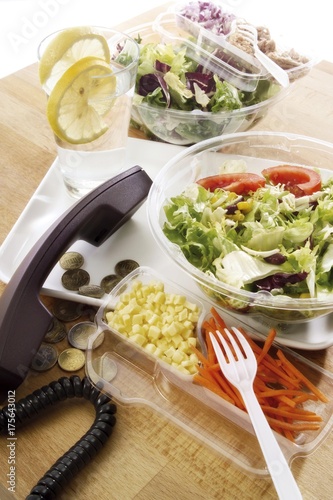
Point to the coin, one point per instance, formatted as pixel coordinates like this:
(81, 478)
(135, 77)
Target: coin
(88, 312)
(74, 278)
(66, 310)
(91, 291)
(124, 267)
(79, 334)
(71, 359)
(71, 260)
(109, 282)
(45, 358)
(56, 333)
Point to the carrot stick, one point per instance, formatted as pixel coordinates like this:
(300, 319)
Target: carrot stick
(306, 426)
(199, 354)
(294, 415)
(210, 350)
(230, 390)
(267, 345)
(212, 386)
(302, 377)
(271, 393)
(220, 323)
(279, 386)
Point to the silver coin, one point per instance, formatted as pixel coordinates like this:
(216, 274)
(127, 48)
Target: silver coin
(124, 267)
(66, 310)
(91, 291)
(71, 260)
(79, 334)
(109, 282)
(74, 278)
(45, 358)
(56, 333)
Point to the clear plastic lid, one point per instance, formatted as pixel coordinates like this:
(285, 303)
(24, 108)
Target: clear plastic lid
(133, 376)
(214, 53)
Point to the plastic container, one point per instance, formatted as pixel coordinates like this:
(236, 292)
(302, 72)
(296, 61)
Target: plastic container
(258, 150)
(213, 52)
(147, 276)
(184, 128)
(131, 376)
(204, 28)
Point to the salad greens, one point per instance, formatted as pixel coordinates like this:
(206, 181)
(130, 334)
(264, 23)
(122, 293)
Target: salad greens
(167, 77)
(267, 240)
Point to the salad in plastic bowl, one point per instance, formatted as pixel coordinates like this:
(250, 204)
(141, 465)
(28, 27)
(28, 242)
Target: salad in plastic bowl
(250, 217)
(182, 98)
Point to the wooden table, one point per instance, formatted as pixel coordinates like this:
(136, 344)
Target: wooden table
(146, 458)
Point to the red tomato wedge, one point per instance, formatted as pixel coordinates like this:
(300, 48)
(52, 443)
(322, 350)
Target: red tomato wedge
(298, 180)
(239, 183)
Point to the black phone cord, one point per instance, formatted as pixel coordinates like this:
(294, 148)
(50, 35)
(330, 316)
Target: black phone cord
(80, 454)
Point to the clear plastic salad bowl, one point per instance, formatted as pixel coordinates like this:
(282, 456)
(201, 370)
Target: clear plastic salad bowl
(253, 151)
(244, 98)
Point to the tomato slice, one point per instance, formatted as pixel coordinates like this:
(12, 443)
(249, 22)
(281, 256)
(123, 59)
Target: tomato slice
(298, 180)
(239, 183)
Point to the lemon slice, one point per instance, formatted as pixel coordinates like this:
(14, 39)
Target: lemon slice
(68, 47)
(80, 100)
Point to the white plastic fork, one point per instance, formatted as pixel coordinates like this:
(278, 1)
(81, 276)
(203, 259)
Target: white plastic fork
(250, 34)
(241, 373)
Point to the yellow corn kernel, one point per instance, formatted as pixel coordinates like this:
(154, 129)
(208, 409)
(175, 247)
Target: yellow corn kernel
(245, 206)
(238, 216)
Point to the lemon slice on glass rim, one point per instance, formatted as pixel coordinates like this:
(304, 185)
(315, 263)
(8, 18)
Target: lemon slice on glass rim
(68, 47)
(80, 99)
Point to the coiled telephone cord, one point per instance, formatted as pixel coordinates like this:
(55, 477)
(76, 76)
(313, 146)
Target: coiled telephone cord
(79, 455)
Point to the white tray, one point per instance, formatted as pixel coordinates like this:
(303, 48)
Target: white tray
(133, 241)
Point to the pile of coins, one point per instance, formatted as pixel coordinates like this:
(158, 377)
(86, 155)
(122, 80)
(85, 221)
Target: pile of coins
(70, 358)
(64, 311)
(78, 280)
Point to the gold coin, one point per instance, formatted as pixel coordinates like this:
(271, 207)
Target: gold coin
(124, 267)
(71, 260)
(56, 333)
(94, 291)
(109, 282)
(71, 359)
(66, 310)
(74, 278)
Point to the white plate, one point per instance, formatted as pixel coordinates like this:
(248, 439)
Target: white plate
(133, 241)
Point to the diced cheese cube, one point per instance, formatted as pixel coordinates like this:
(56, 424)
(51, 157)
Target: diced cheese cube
(176, 340)
(135, 329)
(169, 353)
(137, 319)
(138, 339)
(154, 332)
(150, 347)
(182, 315)
(159, 297)
(178, 356)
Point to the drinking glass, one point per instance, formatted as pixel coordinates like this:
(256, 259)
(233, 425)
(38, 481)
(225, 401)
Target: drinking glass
(86, 165)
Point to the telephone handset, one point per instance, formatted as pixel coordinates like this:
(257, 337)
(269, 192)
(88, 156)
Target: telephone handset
(24, 320)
